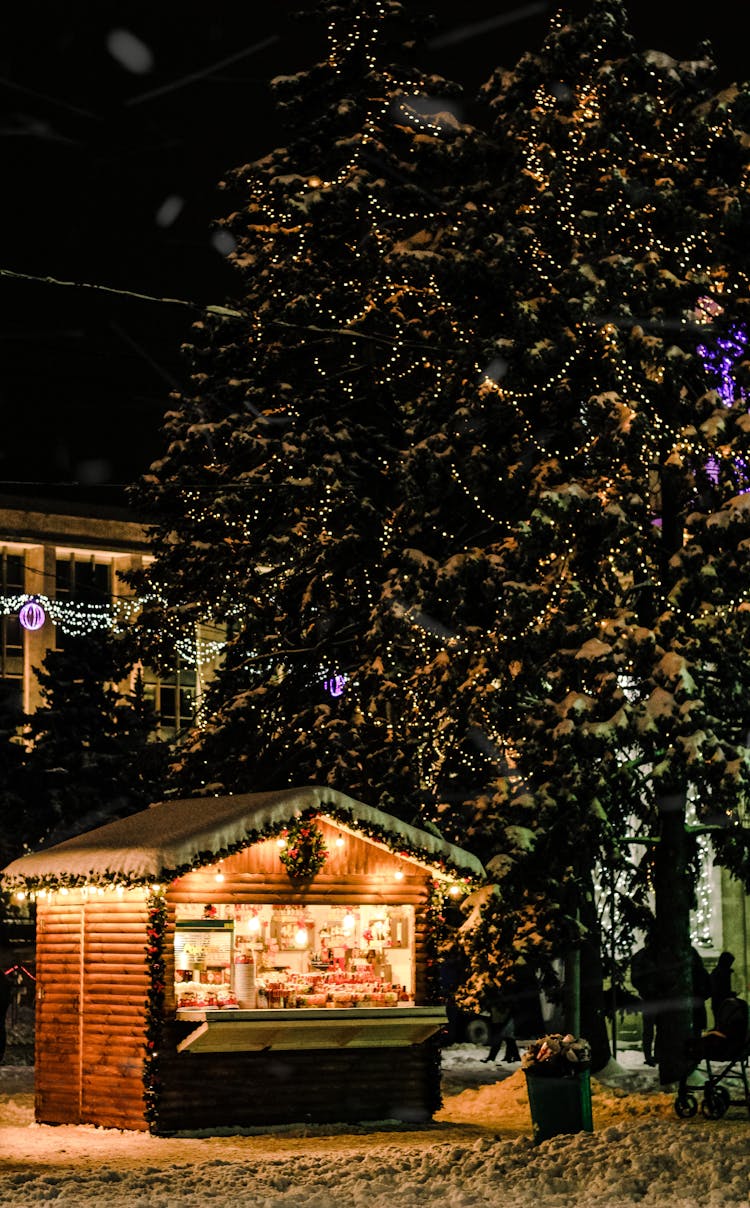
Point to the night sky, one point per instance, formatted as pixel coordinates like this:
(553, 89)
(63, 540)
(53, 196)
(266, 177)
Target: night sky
(118, 121)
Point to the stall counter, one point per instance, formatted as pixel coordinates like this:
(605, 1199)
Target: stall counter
(223, 1031)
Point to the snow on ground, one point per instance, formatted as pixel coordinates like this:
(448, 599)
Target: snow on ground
(479, 1151)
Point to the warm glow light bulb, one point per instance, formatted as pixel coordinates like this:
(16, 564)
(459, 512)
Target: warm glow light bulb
(300, 936)
(253, 924)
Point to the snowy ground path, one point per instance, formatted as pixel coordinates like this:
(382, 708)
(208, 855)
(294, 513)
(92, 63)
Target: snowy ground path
(478, 1152)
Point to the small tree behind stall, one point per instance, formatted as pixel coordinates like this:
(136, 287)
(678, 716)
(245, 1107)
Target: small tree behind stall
(93, 753)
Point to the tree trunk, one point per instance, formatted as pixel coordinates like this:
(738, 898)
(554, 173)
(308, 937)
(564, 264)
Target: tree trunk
(673, 896)
(572, 992)
(593, 1003)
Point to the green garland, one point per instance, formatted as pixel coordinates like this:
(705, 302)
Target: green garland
(305, 852)
(155, 932)
(436, 931)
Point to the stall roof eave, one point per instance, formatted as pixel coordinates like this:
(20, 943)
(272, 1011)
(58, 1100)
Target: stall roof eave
(171, 837)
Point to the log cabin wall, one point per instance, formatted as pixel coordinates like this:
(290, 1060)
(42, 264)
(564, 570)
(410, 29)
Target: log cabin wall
(252, 1090)
(115, 985)
(57, 1044)
(92, 981)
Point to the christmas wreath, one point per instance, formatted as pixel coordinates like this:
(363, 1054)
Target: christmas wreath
(305, 852)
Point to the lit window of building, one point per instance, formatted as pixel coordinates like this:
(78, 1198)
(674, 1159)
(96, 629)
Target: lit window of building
(11, 634)
(173, 697)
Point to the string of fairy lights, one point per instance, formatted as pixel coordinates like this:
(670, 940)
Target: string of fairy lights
(567, 217)
(283, 231)
(80, 619)
(287, 208)
(703, 922)
(692, 253)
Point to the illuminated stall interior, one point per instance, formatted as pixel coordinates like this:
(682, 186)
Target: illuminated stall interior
(262, 956)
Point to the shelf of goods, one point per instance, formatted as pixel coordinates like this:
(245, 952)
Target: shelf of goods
(284, 989)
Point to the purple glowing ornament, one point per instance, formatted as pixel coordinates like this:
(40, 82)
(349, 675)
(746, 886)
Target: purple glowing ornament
(720, 360)
(32, 615)
(335, 685)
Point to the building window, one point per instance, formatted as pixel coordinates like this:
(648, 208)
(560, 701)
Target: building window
(83, 581)
(11, 634)
(172, 697)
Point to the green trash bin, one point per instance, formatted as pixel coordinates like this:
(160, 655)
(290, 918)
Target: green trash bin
(559, 1104)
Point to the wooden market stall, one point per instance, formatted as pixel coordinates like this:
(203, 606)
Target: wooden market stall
(237, 961)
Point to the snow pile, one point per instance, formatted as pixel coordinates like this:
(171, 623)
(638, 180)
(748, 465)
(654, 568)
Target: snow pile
(616, 1094)
(479, 1152)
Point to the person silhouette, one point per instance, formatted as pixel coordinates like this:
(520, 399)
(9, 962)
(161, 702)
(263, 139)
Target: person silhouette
(643, 975)
(720, 978)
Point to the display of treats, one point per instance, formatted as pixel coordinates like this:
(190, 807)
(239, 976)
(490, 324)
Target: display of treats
(291, 957)
(193, 994)
(283, 988)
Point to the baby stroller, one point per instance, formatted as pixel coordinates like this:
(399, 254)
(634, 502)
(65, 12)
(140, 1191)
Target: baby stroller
(724, 1054)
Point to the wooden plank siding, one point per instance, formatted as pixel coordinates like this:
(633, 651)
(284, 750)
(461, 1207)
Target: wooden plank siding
(114, 1012)
(90, 1025)
(356, 856)
(243, 1090)
(57, 1042)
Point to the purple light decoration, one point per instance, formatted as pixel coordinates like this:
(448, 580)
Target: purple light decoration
(335, 685)
(720, 362)
(713, 470)
(32, 615)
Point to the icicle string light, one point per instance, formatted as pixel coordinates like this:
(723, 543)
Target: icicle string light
(78, 619)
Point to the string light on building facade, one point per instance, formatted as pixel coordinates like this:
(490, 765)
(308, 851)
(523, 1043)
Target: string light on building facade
(78, 619)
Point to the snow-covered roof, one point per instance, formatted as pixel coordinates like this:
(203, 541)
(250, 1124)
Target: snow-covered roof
(170, 837)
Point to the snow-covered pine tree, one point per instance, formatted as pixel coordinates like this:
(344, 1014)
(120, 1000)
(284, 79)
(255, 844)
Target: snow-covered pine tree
(93, 752)
(13, 796)
(616, 467)
(274, 504)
